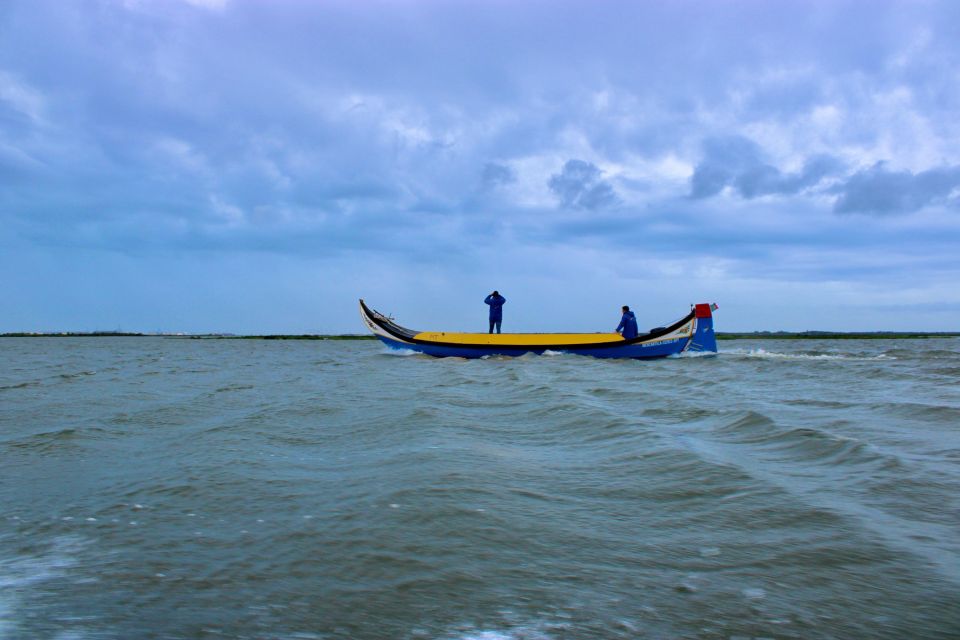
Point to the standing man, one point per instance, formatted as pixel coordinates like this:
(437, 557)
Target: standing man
(628, 324)
(496, 302)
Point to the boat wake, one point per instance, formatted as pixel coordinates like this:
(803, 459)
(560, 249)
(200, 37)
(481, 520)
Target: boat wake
(695, 354)
(763, 353)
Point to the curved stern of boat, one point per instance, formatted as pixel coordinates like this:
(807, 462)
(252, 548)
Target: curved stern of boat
(704, 338)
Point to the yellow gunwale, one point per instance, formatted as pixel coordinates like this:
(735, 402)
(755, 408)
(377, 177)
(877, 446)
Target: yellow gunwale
(525, 339)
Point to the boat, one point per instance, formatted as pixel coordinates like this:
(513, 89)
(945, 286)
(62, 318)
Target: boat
(692, 333)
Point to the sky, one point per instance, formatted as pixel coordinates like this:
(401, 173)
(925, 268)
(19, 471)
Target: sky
(257, 167)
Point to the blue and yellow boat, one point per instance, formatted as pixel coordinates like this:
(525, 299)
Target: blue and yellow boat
(692, 333)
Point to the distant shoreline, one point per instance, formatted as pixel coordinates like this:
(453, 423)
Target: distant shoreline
(750, 335)
(191, 336)
(837, 335)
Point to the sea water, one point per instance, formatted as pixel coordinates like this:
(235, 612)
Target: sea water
(184, 488)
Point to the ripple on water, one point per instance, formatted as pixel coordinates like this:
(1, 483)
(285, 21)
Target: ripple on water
(937, 414)
(807, 355)
(745, 425)
(56, 440)
(75, 375)
(818, 446)
(20, 385)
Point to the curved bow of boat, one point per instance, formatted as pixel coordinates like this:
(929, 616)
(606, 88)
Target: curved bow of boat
(383, 327)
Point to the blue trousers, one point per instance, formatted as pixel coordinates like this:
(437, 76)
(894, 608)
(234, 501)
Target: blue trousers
(495, 323)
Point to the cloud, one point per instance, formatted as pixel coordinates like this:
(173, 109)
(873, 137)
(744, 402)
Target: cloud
(497, 175)
(724, 159)
(738, 162)
(209, 4)
(579, 186)
(767, 179)
(18, 99)
(879, 191)
(212, 5)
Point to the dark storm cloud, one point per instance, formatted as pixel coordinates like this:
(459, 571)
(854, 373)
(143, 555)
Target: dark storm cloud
(879, 191)
(579, 186)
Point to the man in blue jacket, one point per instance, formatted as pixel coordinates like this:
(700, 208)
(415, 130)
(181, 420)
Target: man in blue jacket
(496, 302)
(628, 324)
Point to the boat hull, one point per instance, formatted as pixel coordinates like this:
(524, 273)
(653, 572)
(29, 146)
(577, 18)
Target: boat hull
(693, 333)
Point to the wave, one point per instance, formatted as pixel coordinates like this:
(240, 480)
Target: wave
(936, 413)
(817, 445)
(408, 353)
(22, 575)
(77, 374)
(694, 354)
(50, 440)
(814, 355)
(926, 354)
(401, 353)
(21, 385)
(520, 633)
(235, 387)
(512, 628)
(748, 422)
(837, 476)
(820, 404)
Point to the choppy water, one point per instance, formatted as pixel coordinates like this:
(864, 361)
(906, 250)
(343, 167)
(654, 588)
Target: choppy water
(177, 488)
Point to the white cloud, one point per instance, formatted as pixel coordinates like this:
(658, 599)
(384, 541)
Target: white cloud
(229, 213)
(209, 4)
(151, 5)
(183, 155)
(21, 97)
